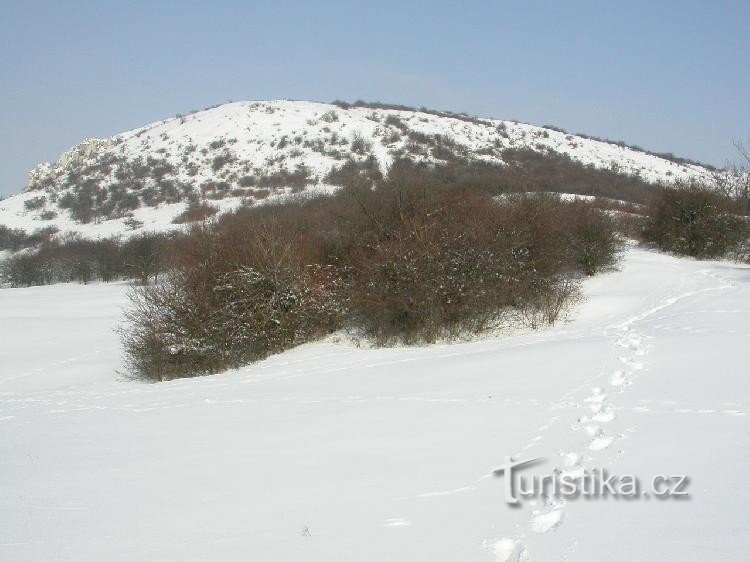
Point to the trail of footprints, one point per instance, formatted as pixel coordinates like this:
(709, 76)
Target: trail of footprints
(597, 411)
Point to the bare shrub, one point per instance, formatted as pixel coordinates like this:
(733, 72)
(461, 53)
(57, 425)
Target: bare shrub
(195, 212)
(237, 296)
(734, 181)
(247, 181)
(591, 237)
(454, 263)
(695, 221)
(35, 203)
(299, 178)
(360, 145)
(329, 116)
(395, 121)
(222, 160)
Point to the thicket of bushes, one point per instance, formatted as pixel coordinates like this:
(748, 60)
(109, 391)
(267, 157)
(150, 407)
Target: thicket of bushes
(195, 211)
(80, 260)
(526, 171)
(89, 195)
(15, 239)
(407, 260)
(692, 220)
(535, 171)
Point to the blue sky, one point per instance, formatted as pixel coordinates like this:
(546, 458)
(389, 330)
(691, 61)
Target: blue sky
(667, 75)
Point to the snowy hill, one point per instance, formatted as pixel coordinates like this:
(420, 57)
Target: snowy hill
(331, 452)
(247, 152)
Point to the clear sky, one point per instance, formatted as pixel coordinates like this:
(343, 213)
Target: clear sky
(667, 75)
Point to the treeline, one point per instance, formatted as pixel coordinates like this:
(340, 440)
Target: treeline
(408, 260)
(535, 171)
(525, 170)
(14, 239)
(74, 259)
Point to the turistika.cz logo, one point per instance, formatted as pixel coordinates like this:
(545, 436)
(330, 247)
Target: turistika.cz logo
(582, 482)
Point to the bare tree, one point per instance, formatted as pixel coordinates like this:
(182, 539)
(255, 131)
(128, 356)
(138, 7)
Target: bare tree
(734, 181)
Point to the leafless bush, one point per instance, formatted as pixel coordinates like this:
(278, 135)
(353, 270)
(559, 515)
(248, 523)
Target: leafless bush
(591, 237)
(395, 121)
(734, 181)
(695, 221)
(329, 116)
(222, 160)
(195, 212)
(360, 145)
(35, 203)
(235, 297)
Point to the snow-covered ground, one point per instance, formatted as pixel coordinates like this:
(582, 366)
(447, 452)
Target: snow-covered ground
(329, 452)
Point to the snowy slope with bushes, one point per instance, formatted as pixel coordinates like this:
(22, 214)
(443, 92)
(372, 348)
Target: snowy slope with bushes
(247, 152)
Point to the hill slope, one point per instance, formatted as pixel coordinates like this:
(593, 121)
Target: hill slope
(250, 151)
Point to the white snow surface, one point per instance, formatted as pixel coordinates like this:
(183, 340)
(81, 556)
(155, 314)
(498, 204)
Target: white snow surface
(265, 137)
(330, 452)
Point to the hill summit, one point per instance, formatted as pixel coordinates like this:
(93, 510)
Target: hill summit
(246, 152)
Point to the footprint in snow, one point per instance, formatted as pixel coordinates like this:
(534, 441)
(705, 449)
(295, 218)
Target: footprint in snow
(619, 379)
(572, 467)
(597, 395)
(546, 519)
(570, 459)
(592, 430)
(633, 343)
(508, 550)
(604, 414)
(601, 442)
(397, 522)
(596, 400)
(634, 365)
